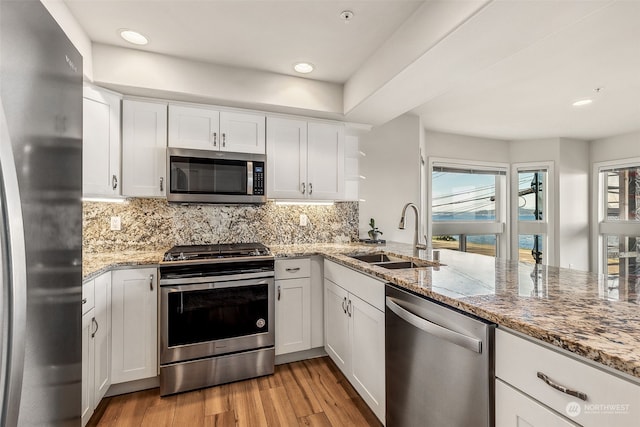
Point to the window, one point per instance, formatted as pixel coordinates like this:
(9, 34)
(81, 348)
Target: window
(532, 208)
(467, 207)
(618, 228)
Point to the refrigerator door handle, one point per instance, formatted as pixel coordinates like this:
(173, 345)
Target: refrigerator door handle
(13, 267)
(454, 337)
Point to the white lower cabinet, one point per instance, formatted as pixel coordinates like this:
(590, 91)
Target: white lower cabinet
(293, 305)
(134, 323)
(354, 331)
(539, 385)
(515, 409)
(96, 340)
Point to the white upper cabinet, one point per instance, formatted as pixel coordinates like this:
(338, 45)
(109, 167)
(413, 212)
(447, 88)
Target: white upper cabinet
(100, 142)
(144, 148)
(242, 132)
(325, 161)
(208, 129)
(305, 160)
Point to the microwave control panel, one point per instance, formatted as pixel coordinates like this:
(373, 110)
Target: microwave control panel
(258, 178)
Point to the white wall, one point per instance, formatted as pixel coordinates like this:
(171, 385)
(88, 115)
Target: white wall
(74, 31)
(573, 205)
(391, 168)
(137, 72)
(438, 144)
(616, 147)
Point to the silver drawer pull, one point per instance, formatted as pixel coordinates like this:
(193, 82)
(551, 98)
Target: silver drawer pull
(580, 395)
(278, 292)
(292, 270)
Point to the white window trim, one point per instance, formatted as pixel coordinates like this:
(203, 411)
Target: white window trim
(547, 225)
(503, 213)
(600, 225)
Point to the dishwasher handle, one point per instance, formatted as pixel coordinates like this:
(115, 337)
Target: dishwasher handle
(454, 337)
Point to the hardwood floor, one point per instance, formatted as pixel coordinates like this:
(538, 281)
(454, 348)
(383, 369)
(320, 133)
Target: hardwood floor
(308, 393)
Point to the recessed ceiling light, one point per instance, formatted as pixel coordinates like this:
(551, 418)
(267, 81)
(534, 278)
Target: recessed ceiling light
(303, 67)
(582, 102)
(133, 37)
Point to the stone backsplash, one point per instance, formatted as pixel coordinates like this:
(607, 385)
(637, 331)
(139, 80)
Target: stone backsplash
(152, 224)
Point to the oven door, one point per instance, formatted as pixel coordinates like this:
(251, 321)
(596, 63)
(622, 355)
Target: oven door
(218, 317)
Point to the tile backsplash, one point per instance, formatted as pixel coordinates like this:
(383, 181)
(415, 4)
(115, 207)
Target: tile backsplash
(152, 224)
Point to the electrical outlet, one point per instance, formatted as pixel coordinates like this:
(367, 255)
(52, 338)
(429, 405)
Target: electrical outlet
(115, 223)
(304, 220)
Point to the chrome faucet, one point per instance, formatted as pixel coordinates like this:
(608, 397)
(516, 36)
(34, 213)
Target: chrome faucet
(417, 246)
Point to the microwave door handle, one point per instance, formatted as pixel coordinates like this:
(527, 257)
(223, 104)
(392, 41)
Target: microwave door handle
(249, 178)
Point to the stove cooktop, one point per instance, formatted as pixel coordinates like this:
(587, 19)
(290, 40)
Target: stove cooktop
(217, 251)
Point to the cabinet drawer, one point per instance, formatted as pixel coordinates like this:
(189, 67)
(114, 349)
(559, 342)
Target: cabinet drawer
(610, 400)
(367, 288)
(88, 296)
(293, 268)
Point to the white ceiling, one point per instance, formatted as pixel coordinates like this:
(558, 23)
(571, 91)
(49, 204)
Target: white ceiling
(257, 34)
(507, 69)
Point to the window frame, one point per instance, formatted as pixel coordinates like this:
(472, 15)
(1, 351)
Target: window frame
(600, 226)
(500, 227)
(546, 226)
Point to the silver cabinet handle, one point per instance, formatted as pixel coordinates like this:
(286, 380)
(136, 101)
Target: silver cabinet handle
(114, 182)
(310, 188)
(84, 301)
(454, 337)
(161, 183)
(278, 292)
(151, 282)
(344, 305)
(580, 395)
(13, 268)
(292, 270)
(304, 188)
(215, 139)
(349, 308)
(95, 322)
(224, 139)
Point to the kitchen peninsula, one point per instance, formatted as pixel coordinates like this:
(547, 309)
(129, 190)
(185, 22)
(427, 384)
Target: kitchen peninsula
(577, 311)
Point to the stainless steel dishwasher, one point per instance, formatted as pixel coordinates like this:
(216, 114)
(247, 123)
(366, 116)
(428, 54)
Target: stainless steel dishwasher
(439, 364)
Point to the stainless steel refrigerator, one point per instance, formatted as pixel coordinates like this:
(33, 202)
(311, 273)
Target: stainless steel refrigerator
(40, 218)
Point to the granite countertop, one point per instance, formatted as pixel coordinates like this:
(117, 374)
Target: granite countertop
(578, 311)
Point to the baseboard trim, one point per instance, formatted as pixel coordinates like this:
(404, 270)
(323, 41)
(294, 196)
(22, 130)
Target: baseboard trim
(300, 355)
(133, 386)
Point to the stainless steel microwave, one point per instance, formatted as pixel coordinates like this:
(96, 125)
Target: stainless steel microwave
(202, 176)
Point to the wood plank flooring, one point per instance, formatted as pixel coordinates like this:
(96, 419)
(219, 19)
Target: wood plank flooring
(308, 393)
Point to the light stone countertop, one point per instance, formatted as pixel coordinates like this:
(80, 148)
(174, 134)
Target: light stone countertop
(581, 312)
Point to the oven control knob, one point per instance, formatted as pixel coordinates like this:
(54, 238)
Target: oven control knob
(260, 323)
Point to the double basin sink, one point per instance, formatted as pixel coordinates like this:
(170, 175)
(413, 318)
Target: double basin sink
(383, 260)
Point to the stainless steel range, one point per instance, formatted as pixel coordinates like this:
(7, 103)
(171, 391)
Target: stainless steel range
(216, 315)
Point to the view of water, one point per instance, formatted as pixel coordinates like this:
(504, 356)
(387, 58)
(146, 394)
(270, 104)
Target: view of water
(525, 241)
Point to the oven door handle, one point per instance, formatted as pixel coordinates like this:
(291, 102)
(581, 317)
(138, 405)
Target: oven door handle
(216, 279)
(216, 285)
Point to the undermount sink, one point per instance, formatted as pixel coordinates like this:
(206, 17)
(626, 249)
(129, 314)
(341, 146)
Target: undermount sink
(402, 264)
(390, 262)
(373, 258)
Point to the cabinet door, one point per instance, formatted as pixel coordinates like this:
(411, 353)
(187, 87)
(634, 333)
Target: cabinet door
(366, 337)
(286, 158)
(191, 127)
(514, 409)
(87, 399)
(100, 143)
(144, 148)
(102, 336)
(242, 132)
(293, 315)
(336, 326)
(325, 173)
(134, 325)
